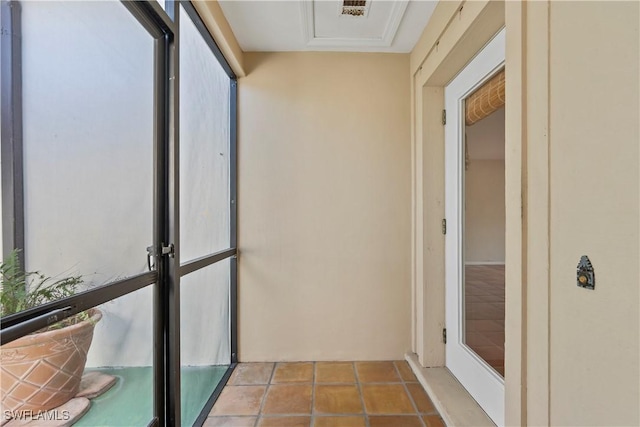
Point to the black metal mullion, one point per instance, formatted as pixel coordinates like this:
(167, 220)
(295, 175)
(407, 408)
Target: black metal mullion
(159, 226)
(172, 296)
(23, 323)
(152, 17)
(11, 137)
(233, 208)
(163, 27)
(205, 261)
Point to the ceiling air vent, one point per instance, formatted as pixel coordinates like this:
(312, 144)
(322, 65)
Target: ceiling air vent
(354, 7)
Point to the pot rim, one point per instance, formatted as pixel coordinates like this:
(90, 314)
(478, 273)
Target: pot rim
(31, 339)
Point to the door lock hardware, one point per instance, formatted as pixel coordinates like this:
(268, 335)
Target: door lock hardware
(152, 252)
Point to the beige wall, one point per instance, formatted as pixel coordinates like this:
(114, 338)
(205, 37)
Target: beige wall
(581, 352)
(572, 188)
(324, 197)
(484, 231)
(594, 211)
(484, 212)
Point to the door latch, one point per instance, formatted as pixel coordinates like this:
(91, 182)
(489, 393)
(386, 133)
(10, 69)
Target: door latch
(152, 252)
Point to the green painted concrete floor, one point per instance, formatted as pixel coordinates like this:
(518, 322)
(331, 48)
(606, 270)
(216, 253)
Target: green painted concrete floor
(130, 401)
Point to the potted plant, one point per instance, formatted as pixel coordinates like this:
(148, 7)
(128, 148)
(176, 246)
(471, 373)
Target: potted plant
(42, 371)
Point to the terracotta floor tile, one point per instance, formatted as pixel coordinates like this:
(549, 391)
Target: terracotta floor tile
(395, 421)
(433, 421)
(386, 399)
(230, 422)
(251, 374)
(239, 400)
(299, 372)
(339, 422)
(288, 399)
(405, 371)
(335, 372)
(374, 372)
(421, 399)
(284, 422)
(337, 399)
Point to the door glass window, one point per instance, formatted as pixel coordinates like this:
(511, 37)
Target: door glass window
(484, 234)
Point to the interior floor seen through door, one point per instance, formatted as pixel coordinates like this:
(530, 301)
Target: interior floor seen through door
(484, 313)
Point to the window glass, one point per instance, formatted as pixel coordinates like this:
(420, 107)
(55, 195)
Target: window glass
(204, 147)
(87, 140)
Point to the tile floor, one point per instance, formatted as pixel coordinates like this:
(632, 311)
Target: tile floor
(484, 311)
(324, 394)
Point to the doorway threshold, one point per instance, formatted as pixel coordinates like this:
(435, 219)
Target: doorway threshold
(453, 402)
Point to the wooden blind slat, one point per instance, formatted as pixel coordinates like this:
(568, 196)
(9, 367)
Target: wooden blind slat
(485, 100)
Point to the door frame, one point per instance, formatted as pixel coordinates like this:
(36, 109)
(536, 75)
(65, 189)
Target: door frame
(481, 381)
(454, 35)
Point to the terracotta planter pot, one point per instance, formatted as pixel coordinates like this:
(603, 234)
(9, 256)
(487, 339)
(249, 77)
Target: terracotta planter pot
(42, 371)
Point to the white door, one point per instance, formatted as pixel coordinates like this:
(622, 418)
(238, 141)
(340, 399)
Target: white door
(484, 383)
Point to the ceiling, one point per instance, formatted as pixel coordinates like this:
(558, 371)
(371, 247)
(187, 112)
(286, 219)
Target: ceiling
(317, 25)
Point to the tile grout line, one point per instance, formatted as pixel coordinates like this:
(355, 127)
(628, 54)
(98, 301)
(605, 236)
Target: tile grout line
(406, 389)
(312, 420)
(301, 415)
(264, 398)
(364, 408)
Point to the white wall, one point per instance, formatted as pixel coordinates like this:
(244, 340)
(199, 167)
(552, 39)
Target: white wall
(324, 221)
(88, 149)
(484, 215)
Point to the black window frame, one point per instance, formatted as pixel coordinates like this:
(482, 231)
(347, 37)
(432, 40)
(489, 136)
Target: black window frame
(163, 25)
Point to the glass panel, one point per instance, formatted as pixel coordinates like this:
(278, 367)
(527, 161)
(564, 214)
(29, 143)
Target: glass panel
(123, 348)
(204, 334)
(484, 234)
(204, 147)
(88, 140)
(117, 376)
